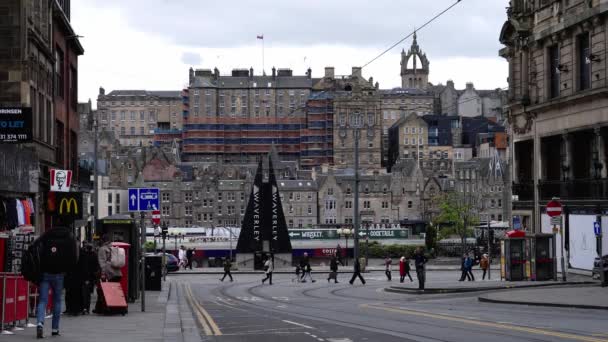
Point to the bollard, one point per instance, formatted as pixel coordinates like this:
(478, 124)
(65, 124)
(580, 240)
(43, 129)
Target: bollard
(2, 330)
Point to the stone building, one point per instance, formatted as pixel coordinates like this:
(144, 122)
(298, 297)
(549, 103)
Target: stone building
(134, 115)
(557, 109)
(414, 67)
(408, 139)
(237, 118)
(482, 182)
(39, 53)
(299, 199)
(356, 113)
(469, 102)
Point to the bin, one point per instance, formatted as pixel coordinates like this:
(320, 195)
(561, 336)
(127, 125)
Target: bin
(125, 281)
(154, 272)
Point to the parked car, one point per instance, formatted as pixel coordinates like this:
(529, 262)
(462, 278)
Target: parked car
(172, 264)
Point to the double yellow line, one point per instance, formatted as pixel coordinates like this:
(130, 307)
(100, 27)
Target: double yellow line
(208, 324)
(501, 326)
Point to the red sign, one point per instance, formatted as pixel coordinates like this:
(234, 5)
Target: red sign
(156, 217)
(554, 208)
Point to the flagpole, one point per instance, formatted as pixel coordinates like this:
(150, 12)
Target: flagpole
(263, 71)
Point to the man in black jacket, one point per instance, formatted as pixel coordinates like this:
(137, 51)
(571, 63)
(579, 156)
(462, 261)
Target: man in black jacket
(357, 273)
(420, 260)
(58, 256)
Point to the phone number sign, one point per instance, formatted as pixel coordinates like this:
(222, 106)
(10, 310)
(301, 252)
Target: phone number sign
(15, 124)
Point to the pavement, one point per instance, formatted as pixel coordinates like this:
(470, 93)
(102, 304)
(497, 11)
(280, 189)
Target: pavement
(167, 318)
(581, 297)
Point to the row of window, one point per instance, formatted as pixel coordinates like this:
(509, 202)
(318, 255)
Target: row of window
(133, 116)
(136, 103)
(583, 62)
(256, 92)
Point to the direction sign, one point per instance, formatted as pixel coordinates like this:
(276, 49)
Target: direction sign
(556, 221)
(597, 228)
(144, 199)
(516, 223)
(554, 208)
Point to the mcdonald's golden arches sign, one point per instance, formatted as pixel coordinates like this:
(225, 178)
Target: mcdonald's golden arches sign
(68, 205)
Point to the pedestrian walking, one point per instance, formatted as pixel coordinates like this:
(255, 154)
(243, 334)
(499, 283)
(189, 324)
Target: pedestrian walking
(181, 256)
(484, 263)
(468, 265)
(420, 261)
(227, 269)
(268, 268)
(388, 262)
(404, 269)
(189, 256)
(56, 251)
(89, 266)
(304, 264)
(298, 270)
(357, 273)
(333, 267)
(308, 273)
(463, 269)
(339, 254)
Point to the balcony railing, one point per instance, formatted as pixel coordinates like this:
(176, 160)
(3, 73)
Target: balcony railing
(578, 189)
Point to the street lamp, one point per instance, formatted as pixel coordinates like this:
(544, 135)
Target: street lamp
(356, 122)
(344, 232)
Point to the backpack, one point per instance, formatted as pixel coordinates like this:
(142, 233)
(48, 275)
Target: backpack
(30, 265)
(117, 257)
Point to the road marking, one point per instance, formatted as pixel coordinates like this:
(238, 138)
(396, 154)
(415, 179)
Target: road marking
(299, 324)
(486, 324)
(200, 310)
(200, 317)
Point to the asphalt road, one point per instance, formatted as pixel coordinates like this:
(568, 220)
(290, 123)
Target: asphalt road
(246, 310)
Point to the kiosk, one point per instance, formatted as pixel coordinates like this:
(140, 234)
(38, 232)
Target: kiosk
(122, 228)
(514, 249)
(543, 260)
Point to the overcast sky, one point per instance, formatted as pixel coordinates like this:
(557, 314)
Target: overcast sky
(150, 44)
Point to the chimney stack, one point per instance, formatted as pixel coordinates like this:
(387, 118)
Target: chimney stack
(329, 72)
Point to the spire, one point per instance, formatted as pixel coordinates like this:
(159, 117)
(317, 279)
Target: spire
(415, 42)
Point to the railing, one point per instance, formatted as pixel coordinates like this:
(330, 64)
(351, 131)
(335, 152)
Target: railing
(578, 189)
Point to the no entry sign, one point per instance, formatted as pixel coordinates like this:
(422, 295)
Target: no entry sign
(554, 208)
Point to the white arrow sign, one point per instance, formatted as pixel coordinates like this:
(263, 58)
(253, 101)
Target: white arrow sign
(133, 199)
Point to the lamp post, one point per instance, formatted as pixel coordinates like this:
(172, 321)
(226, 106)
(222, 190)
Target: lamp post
(356, 122)
(346, 232)
(95, 180)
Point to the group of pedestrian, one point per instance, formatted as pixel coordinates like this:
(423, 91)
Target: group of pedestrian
(55, 262)
(185, 257)
(467, 263)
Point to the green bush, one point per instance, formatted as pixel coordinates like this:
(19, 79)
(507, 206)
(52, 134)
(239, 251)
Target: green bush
(149, 246)
(376, 250)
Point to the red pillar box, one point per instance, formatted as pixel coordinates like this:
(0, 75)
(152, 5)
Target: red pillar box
(7, 287)
(22, 285)
(124, 281)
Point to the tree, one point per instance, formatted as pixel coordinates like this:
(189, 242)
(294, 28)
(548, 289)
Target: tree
(430, 238)
(458, 210)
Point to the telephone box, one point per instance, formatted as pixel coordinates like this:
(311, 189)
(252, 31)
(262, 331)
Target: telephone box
(515, 256)
(122, 228)
(543, 261)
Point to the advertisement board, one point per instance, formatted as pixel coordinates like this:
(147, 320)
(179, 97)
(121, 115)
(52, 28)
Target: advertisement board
(15, 124)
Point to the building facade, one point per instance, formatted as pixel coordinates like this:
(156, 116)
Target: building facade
(557, 109)
(133, 116)
(237, 118)
(39, 70)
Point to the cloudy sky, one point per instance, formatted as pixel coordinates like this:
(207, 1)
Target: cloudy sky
(150, 44)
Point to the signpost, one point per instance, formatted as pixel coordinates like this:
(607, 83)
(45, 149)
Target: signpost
(597, 229)
(554, 210)
(142, 200)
